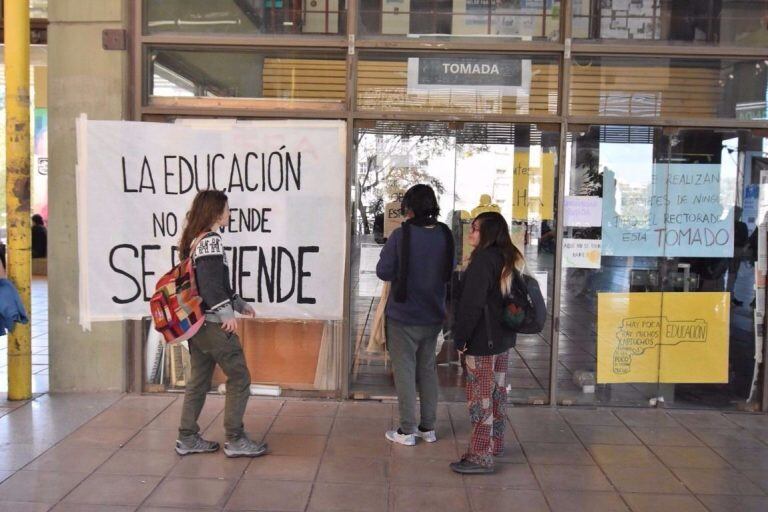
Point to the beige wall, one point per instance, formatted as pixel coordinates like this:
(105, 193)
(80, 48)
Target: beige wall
(82, 78)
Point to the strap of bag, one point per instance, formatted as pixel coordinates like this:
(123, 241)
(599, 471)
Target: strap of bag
(195, 243)
(487, 316)
(192, 248)
(522, 286)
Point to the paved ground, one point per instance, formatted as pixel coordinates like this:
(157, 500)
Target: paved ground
(114, 453)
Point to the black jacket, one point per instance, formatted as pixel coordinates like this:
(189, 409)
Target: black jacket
(39, 241)
(480, 288)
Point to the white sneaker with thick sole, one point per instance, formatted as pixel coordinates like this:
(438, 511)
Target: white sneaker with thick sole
(428, 436)
(405, 439)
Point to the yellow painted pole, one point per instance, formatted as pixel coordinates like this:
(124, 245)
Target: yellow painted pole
(17, 190)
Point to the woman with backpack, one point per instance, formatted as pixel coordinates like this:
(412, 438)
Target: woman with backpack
(216, 342)
(479, 334)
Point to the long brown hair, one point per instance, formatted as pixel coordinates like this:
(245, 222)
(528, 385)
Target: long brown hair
(494, 232)
(207, 206)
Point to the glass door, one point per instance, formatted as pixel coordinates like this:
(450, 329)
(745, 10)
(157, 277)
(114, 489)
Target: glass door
(610, 292)
(659, 271)
(713, 184)
(473, 167)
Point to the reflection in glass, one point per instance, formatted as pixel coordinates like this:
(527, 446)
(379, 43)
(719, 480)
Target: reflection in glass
(660, 87)
(537, 20)
(487, 84)
(723, 22)
(38, 9)
(473, 167)
(280, 75)
(294, 17)
(679, 208)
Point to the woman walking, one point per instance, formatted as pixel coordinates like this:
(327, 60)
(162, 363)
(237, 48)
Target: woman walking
(216, 341)
(484, 341)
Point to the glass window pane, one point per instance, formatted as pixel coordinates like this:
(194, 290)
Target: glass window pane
(301, 76)
(38, 9)
(292, 17)
(525, 20)
(703, 176)
(473, 167)
(278, 354)
(722, 22)
(592, 153)
(518, 84)
(661, 87)
(664, 309)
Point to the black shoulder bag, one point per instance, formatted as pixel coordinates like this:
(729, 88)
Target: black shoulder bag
(525, 310)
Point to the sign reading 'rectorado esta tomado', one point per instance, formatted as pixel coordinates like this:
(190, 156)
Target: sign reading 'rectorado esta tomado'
(285, 239)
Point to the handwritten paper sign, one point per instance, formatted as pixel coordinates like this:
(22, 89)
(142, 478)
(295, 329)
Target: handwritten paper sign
(670, 337)
(751, 206)
(393, 217)
(533, 187)
(686, 210)
(583, 211)
(284, 242)
(581, 253)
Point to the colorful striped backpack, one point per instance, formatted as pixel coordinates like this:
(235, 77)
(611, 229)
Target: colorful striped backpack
(176, 305)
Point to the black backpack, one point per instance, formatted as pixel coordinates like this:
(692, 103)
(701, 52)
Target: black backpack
(525, 310)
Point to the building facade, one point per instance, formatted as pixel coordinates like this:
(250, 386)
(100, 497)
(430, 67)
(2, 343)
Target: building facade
(624, 141)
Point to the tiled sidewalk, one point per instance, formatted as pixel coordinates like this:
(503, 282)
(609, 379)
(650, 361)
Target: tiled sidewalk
(114, 453)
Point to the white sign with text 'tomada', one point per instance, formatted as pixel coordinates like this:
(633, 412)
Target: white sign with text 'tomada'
(503, 76)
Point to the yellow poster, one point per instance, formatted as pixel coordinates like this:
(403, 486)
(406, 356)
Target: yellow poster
(533, 187)
(670, 337)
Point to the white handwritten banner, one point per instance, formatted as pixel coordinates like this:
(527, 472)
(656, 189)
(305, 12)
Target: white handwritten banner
(285, 241)
(686, 211)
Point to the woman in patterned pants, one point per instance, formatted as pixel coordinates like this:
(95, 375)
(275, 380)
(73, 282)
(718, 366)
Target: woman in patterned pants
(486, 398)
(479, 334)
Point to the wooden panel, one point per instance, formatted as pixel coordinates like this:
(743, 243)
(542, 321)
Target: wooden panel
(284, 353)
(645, 91)
(305, 79)
(383, 85)
(247, 103)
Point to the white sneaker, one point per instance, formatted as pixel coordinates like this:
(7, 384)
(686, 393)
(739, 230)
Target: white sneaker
(428, 435)
(397, 437)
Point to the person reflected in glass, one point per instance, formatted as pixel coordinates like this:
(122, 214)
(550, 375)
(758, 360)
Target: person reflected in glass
(740, 249)
(758, 36)
(39, 237)
(548, 237)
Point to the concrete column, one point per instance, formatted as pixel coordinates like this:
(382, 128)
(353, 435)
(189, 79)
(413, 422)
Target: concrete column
(83, 78)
